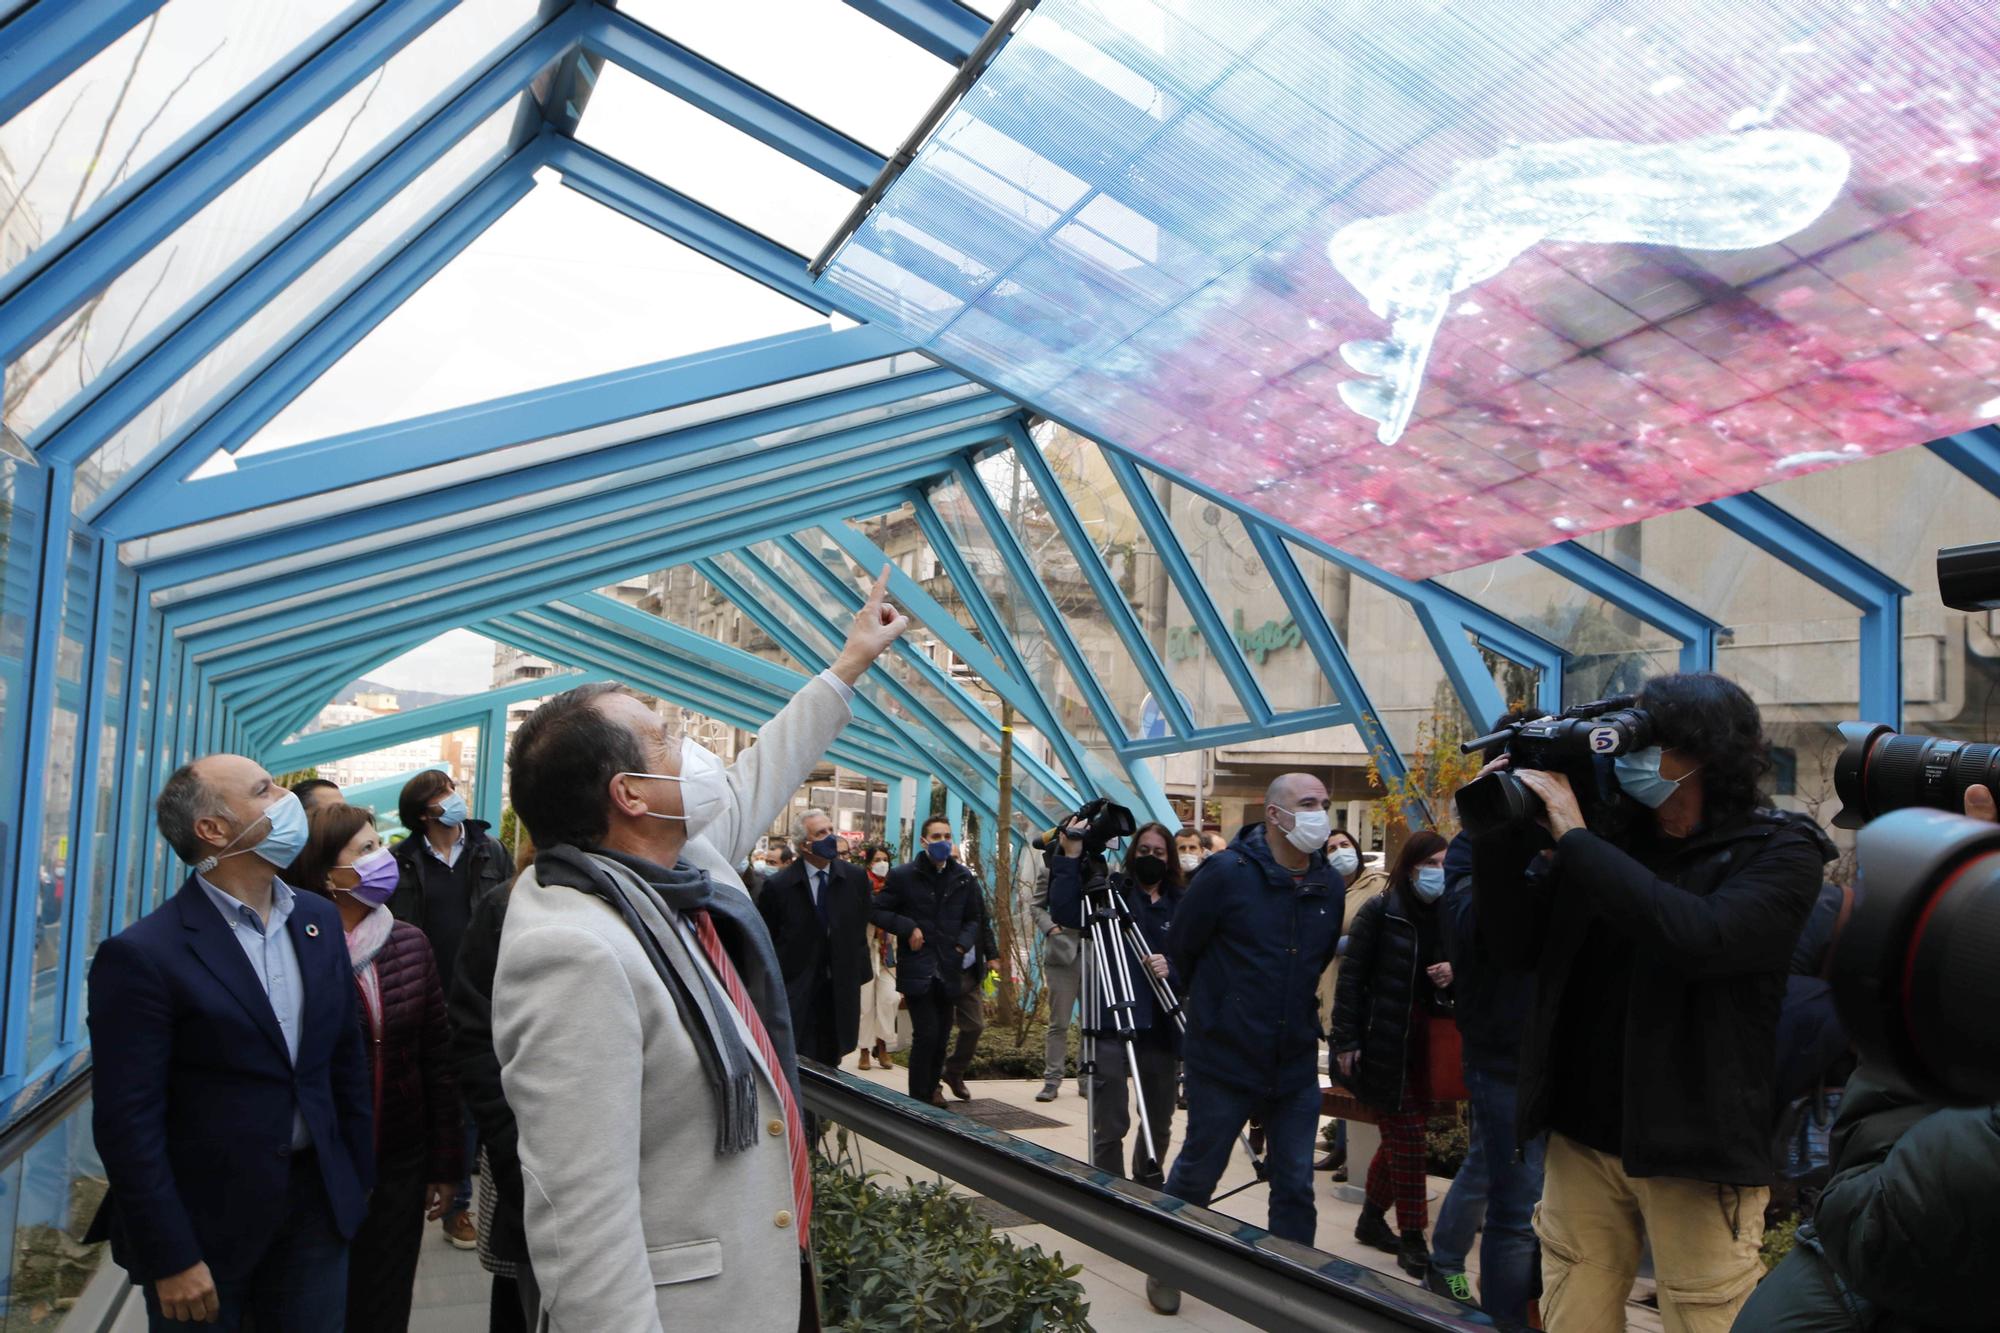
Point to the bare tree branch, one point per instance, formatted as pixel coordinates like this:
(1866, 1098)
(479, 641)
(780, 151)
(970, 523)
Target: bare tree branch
(345, 130)
(104, 134)
(131, 152)
(48, 149)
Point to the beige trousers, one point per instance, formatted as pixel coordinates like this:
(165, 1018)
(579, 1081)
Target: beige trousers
(1593, 1218)
(878, 1001)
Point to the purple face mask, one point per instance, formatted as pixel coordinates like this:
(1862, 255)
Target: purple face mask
(378, 872)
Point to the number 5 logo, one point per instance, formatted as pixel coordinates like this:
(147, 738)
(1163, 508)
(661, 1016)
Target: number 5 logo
(1603, 740)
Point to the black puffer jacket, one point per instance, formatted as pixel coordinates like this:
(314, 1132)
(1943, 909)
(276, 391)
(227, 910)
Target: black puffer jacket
(1383, 993)
(1909, 1221)
(409, 1059)
(1711, 934)
(479, 1073)
(946, 903)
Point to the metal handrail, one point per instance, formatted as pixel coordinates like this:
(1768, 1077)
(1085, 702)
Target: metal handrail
(1273, 1284)
(41, 1104)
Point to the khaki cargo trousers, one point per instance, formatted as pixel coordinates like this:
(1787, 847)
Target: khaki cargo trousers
(1592, 1221)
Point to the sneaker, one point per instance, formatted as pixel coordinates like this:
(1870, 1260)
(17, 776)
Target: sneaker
(1049, 1092)
(1340, 1174)
(1373, 1230)
(1413, 1255)
(1453, 1286)
(460, 1230)
(1333, 1161)
(956, 1082)
(1165, 1299)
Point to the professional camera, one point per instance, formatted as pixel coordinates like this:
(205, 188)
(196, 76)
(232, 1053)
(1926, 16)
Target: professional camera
(1578, 743)
(1105, 822)
(1916, 973)
(1880, 770)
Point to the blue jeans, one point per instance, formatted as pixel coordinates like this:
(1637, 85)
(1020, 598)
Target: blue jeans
(1499, 1188)
(299, 1286)
(461, 1199)
(1217, 1112)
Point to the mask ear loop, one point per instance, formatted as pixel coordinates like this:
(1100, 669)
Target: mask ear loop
(210, 862)
(663, 777)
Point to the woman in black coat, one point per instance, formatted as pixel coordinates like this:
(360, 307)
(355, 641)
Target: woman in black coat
(1393, 977)
(418, 1142)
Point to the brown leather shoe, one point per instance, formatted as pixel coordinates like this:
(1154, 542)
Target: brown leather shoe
(958, 1088)
(937, 1097)
(882, 1053)
(864, 1060)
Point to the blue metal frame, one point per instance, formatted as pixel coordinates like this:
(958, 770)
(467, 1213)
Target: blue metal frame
(1636, 597)
(1976, 455)
(1841, 572)
(415, 724)
(49, 42)
(945, 28)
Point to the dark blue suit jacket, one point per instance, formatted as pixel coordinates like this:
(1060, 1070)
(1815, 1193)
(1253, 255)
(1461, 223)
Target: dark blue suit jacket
(194, 1091)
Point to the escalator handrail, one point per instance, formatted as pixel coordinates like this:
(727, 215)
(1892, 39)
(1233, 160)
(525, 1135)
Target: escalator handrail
(40, 1105)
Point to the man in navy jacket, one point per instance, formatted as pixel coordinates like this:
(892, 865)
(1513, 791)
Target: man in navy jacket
(232, 1105)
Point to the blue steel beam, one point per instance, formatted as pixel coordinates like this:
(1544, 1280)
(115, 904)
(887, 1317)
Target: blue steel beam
(61, 284)
(848, 598)
(168, 354)
(159, 482)
(282, 707)
(558, 566)
(945, 28)
(1845, 575)
(673, 68)
(404, 449)
(684, 679)
(88, 842)
(695, 225)
(1976, 455)
(51, 41)
(1636, 597)
(416, 724)
(1007, 679)
(1167, 547)
(1110, 600)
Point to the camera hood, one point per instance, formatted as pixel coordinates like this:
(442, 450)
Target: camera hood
(1916, 974)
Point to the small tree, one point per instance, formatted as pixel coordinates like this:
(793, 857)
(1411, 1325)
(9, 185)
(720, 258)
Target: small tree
(294, 779)
(1434, 770)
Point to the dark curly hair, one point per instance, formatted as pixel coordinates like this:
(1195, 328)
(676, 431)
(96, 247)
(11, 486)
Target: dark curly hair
(1712, 721)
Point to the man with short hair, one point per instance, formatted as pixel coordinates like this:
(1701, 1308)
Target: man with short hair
(641, 1020)
(1250, 939)
(231, 1096)
(933, 907)
(817, 912)
(1213, 842)
(1187, 846)
(781, 854)
(1062, 972)
(315, 793)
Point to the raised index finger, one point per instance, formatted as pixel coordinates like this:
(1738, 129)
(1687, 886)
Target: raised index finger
(880, 592)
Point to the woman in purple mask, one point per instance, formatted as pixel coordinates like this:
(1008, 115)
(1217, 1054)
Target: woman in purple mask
(418, 1137)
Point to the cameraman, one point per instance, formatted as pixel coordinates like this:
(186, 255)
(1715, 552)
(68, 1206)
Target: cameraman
(1660, 948)
(1150, 886)
(1910, 1222)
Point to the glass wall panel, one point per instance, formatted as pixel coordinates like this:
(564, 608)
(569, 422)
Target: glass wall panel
(902, 539)
(302, 173)
(111, 695)
(1895, 512)
(1794, 646)
(48, 1198)
(308, 298)
(1128, 553)
(711, 161)
(1610, 652)
(108, 123)
(137, 789)
(24, 491)
(1027, 515)
(829, 60)
(55, 865)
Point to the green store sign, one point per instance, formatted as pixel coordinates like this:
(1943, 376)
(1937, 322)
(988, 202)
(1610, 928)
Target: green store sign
(1184, 642)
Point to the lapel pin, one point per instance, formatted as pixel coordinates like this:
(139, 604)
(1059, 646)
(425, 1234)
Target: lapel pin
(312, 931)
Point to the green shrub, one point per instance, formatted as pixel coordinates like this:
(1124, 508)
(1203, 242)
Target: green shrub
(1446, 1141)
(1778, 1242)
(920, 1260)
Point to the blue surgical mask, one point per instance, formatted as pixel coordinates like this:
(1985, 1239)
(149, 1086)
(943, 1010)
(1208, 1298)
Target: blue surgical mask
(281, 846)
(826, 848)
(1429, 883)
(452, 811)
(940, 851)
(1639, 777)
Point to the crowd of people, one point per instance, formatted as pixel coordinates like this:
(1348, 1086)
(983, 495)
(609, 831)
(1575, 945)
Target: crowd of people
(316, 1045)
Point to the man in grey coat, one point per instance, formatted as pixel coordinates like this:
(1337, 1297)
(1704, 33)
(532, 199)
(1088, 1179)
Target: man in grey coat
(640, 1015)
(1062, 965)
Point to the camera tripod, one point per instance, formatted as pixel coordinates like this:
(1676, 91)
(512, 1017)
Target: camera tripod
(1114, 946)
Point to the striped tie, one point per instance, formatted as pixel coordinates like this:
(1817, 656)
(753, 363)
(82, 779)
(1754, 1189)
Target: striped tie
(795, 1129)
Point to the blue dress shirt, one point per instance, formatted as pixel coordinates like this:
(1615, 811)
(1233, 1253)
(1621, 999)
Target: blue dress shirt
(276, 963)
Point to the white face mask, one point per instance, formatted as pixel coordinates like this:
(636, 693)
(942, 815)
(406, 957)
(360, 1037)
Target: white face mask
(704, 787)
(1345, 861)
(1310, 829)
(1189, 863)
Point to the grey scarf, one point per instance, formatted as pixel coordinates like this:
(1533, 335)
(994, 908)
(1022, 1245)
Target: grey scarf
(704, 1009)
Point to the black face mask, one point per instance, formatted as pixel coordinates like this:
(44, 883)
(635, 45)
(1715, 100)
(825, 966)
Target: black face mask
(1149, 870)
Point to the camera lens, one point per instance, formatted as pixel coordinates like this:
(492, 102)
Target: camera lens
(1881, 770)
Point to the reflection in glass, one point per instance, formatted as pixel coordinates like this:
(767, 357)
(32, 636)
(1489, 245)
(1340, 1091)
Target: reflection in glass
(111, 729)
(52, 1194)
(55, 862)
(152, 295)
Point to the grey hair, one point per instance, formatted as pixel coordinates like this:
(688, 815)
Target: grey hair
(811, 812)
(183, 800)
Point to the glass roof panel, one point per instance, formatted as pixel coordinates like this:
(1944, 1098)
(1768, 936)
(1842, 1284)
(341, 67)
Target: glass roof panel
(713, 162)
(108, 126)
(830, 60)
(1436, 290)
(301, 304)
(683, 596)
(558, 289)
(119, 324)
(900, 537)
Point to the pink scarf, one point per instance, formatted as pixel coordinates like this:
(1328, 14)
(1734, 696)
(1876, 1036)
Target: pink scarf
(363, 943)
